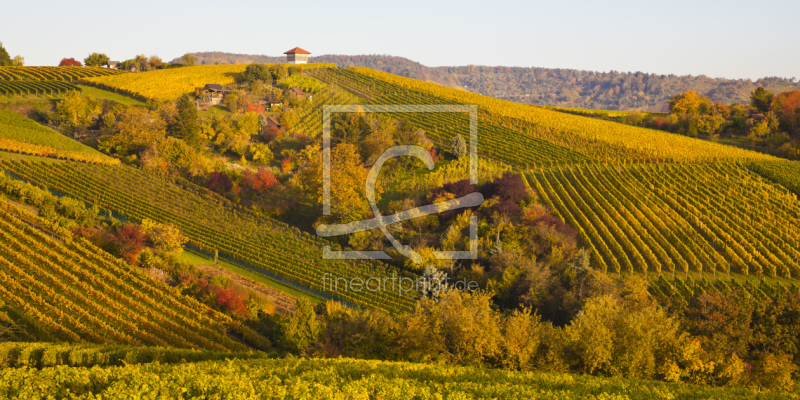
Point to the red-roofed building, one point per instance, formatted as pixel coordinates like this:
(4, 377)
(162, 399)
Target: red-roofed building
(297, 56)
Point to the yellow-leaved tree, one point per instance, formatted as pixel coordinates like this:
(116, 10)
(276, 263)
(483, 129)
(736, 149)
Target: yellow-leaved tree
(165, 237)
(76, 111)
(348, 179)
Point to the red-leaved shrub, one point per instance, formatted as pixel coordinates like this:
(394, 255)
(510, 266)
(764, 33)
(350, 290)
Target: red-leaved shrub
(259, 181)
(219, 182)
(128, 241)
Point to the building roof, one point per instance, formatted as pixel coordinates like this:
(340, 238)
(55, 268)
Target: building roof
(112, 62)
(297, 91)
(274, 121)
(214, 87)
(297, 50)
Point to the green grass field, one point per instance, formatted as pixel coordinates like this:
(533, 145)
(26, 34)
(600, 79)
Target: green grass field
(111, 96)
(16, 127)
(194, 258)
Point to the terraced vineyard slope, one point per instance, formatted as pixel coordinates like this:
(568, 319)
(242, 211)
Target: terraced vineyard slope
(526, 135)
(342, 378)
(171, 83)
(783, 172)
(703, 219)
(22, 135)
(214, 224)
(59, 289)
(43, 355)
(69, 74)
(35, 88)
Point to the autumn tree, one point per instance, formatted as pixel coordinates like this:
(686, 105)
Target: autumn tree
(174, 154)
(249, 122)
(128, 241)
(219, 182)
(349, 128)
(348, 176)
(5, 59)
(689, 102)
(376, 338)
(290, 98)
(379, 138)
(136, 129)
(165, 237)
(629, 337)
(226, 133)
(237, 138)
(156, 62)
(76, 111)
(69, 62)
(259, 181)
(18, 61)
(257, 108)
(188, 60)
(279, 71)
(142, 63)
(462, 327)
(523, 333)
(96, 60)
(270, 134)
(261, 153)
(255, 72)
(289, 120)
(787, 107)
(302, 329)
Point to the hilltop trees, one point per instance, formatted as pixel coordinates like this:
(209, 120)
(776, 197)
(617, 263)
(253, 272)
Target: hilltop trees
(69, 62)
(255, 72)
(156, 62)
(18, 61)
(96, 60)
(188, 60)
(689, 102)
(5, 59)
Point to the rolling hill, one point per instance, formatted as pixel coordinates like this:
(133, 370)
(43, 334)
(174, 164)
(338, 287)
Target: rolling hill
(644, 201)
(214, 224)
(46, 81)
(56, 288)
(688, 215)
(23, 135)
(611, 90)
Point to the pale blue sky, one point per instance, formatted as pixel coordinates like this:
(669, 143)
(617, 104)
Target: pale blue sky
(732, 39)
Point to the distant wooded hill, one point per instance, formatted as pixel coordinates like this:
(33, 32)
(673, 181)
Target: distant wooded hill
(547, 86)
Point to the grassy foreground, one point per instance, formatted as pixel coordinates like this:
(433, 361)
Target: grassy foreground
(336, 379)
